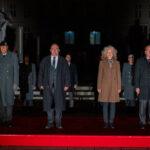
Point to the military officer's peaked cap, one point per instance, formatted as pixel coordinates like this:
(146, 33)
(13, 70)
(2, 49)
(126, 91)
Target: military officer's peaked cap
(131, 56)
(3, 43)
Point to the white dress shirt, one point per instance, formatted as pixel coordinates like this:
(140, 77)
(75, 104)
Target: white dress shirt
(4, 54)
(69, 63)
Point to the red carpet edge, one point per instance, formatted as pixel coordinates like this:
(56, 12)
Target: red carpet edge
(74, 140)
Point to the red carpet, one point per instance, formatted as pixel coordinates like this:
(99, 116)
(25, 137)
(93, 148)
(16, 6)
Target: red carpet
(74, 125)
(75, 141)
(77, 131)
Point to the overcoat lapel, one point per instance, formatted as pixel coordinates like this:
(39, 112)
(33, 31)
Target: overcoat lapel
(58, 66)
(48, 65)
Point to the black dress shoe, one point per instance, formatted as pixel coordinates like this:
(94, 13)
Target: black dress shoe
(59, 126)
(2, 123)
(106, 125)
(9, 124)
(49, 125)
(142, 126)
(112, 125)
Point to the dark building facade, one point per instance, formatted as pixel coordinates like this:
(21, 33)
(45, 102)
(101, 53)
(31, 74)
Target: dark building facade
(82, 28)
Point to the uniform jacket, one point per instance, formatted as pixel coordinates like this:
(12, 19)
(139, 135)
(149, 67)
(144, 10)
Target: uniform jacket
(9, 75)
(127, 81)
(31, 82)
(24, 71)
(73, 76)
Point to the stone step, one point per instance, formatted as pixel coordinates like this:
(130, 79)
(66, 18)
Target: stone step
(81, 93)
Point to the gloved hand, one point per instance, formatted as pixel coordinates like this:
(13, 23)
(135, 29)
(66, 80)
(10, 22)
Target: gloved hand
(33, 87)
(15, 87)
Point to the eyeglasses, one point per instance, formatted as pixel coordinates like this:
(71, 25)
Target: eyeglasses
(53, 49)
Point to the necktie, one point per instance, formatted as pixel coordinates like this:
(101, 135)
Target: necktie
(148, 61)
(54, 62)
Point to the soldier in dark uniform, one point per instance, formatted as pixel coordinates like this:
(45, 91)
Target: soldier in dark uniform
(27, 81)
(9, 80)
(128, 81)
(73, 79)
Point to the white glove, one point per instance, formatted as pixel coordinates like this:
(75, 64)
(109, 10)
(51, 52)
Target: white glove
(33, 87)
(15, 87)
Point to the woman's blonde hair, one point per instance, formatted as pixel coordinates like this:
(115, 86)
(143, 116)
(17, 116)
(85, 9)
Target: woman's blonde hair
(105, 50)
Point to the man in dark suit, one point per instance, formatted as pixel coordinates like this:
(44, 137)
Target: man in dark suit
(9, 80)
(54, 80)
(73, 78)
(142, 85)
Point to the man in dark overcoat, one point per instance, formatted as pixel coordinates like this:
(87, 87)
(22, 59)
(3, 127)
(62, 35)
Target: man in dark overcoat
(9, 80)
(73, 79)
(54, 80)
(142, 84)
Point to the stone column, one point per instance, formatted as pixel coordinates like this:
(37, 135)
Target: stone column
(38, 50)
(20, 43)
(2, 6)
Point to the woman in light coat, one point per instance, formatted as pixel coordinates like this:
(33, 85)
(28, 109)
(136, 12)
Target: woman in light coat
(109, 83)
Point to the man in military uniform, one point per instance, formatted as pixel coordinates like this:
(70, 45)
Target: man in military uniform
(128, 82)
(73, 80)
(27, 81)
(9, 79)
